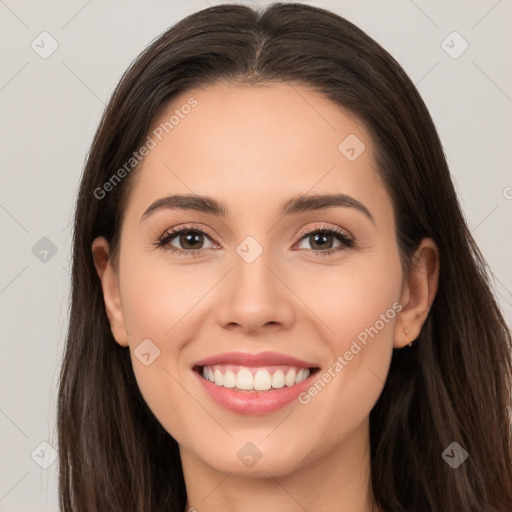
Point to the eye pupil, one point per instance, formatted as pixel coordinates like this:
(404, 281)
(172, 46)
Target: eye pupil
(191, 240)
(323, 236)
(190, 236)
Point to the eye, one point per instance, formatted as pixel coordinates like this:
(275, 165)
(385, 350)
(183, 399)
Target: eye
(321, 240)
(191, 240)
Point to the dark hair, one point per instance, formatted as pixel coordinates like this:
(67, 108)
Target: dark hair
(452, 385)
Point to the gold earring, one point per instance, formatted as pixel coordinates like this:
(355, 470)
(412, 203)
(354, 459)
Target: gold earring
(409, 340)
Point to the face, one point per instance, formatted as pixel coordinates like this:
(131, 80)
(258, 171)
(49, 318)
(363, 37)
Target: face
(267, 291)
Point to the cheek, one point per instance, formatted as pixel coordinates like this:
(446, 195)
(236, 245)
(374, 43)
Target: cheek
(365, 309)
(161, 303)
(356, 300)
(359, 311)
(158, 296)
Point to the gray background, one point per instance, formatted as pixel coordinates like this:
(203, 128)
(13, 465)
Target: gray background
(51, 107)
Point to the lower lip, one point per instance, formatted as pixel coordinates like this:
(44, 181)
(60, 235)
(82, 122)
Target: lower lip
(254, 402)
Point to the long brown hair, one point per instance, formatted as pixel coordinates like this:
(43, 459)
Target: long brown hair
(453, 385)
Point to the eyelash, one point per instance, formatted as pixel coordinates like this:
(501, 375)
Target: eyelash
(347, 241)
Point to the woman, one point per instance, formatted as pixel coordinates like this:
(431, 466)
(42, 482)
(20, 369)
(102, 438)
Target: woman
(276, 302)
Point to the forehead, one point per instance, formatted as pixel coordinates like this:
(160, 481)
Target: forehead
(252, 144)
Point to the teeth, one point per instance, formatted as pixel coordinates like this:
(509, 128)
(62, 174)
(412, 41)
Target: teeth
(278, 379)
(302, 375)
(229, 379)
(262, 380)
(258, 379)
(244, 379)
(219, 378)
(289, 380)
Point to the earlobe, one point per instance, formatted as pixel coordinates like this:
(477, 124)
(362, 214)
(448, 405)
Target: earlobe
(418, 293)
(110, 286)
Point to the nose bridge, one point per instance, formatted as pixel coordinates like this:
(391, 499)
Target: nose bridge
(254, 283)
(253, 296)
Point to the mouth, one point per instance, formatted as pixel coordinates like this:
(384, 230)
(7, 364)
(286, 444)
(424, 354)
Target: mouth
(255, 379)
(246, 383)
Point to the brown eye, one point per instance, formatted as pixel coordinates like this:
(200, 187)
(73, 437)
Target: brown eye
(185, 240)
(322, 240)
(190, 239)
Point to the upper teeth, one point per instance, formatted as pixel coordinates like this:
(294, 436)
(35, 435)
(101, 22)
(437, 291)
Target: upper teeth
(259, 379)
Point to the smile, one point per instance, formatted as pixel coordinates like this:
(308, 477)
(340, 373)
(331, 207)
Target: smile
(245, 378)
(247, 383)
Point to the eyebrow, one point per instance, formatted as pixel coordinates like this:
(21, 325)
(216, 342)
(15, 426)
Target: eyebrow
(293, 206)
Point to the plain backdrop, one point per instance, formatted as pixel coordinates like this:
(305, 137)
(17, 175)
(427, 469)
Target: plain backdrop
(51, 104)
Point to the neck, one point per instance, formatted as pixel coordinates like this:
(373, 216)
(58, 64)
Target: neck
(337, 480)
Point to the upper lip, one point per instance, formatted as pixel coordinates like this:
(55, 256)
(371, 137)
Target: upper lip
(248, 359)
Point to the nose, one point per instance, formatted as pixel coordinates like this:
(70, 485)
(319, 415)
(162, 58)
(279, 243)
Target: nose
(254, 297)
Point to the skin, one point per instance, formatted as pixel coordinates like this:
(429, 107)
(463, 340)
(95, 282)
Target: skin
(253, 148)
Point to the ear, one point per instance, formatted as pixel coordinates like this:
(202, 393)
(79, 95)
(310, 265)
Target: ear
(418, 293)
(111, 293)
